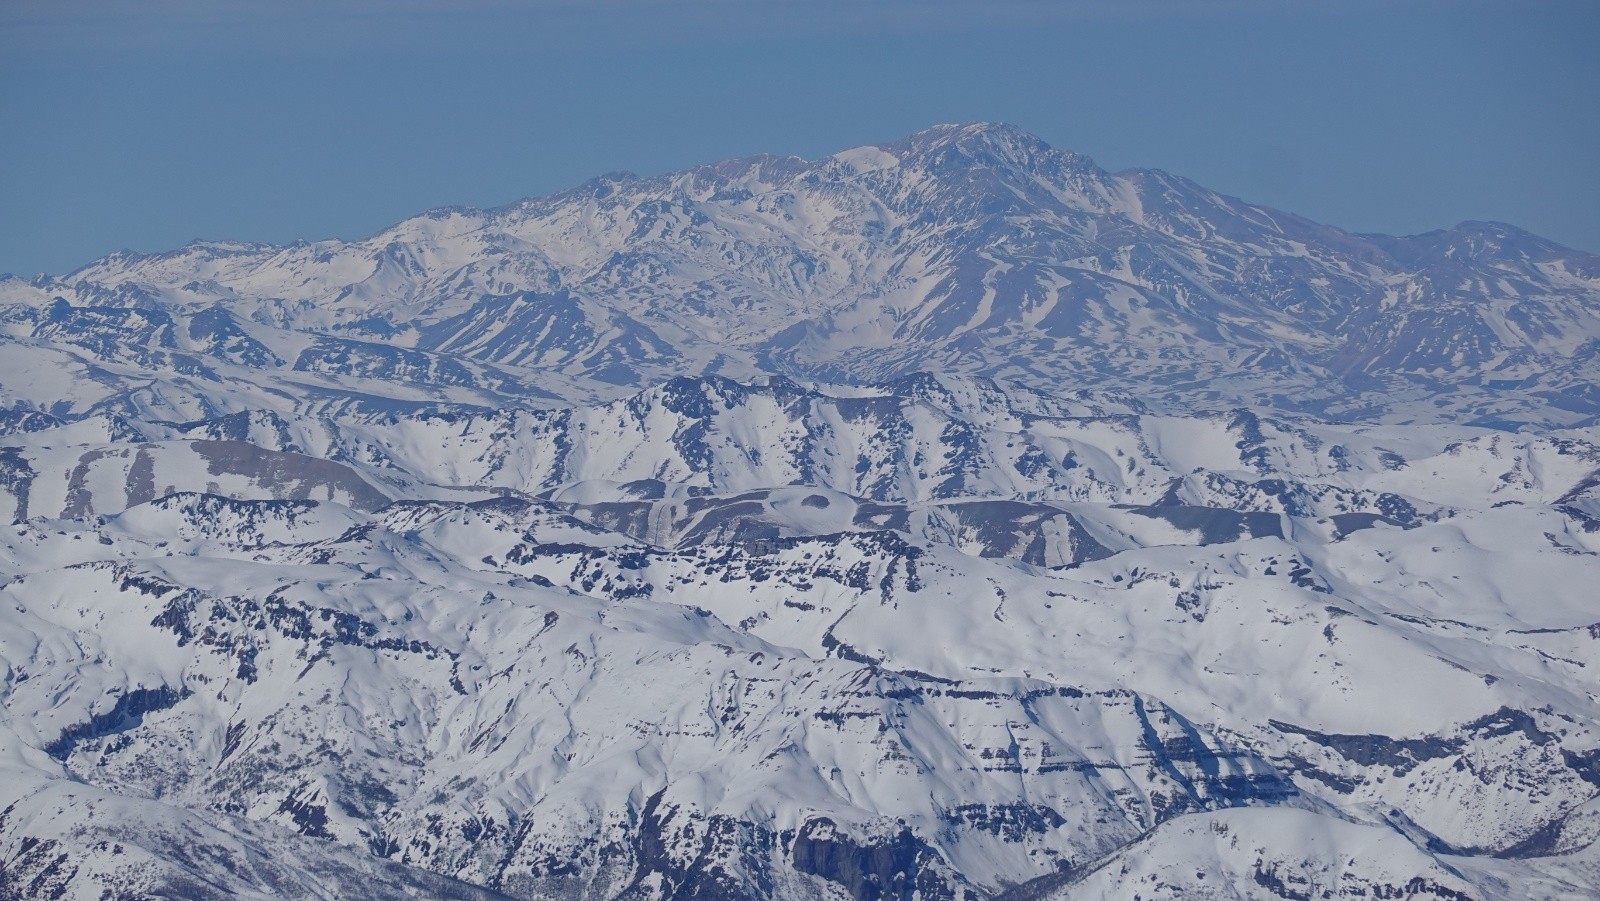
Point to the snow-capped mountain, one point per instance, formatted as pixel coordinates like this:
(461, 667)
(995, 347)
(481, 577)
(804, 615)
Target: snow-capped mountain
(944, 519)
(971, 249)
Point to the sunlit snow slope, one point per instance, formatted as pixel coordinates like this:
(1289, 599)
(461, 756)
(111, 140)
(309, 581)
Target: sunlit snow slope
(950, 519)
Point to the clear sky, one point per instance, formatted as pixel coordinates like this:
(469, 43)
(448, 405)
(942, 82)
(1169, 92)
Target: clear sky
(144, 124)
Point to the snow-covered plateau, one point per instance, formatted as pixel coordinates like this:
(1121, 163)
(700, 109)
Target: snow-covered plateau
(948, 519)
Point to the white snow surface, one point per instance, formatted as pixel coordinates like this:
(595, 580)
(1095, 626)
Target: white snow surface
(950, 519)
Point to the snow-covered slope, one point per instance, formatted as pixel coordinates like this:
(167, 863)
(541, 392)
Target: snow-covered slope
(970, 249)
(946, 519)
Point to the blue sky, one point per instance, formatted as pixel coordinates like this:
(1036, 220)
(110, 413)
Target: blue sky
(144, 124)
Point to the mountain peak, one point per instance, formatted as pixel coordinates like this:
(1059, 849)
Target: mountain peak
(966, 132)
(975, 142)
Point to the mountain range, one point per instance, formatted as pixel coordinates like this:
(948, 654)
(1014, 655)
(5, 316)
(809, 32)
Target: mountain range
(944, 519)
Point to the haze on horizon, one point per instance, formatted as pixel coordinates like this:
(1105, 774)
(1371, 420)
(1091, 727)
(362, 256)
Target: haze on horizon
(146, 127)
